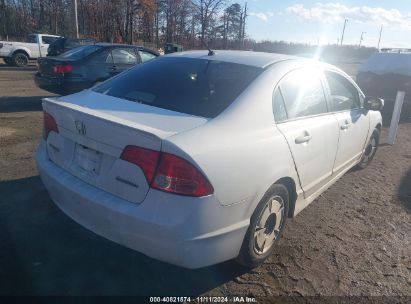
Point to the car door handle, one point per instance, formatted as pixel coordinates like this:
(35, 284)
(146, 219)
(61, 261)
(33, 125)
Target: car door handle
(113, 68)
(303, 138)
(345, 126)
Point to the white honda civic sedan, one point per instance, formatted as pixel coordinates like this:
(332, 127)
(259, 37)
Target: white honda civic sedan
(196, 158)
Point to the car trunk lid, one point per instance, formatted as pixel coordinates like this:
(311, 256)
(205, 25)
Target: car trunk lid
(94, 130)
(45, 65)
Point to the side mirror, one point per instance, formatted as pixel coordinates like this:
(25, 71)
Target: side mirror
(373, 103)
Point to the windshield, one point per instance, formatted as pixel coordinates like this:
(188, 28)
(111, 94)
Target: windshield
(193, 86)
(80, 52)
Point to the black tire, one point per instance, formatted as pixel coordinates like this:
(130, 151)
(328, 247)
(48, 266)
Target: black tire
(20, 59)
(251, 253)
(370, 150)
(8, 61)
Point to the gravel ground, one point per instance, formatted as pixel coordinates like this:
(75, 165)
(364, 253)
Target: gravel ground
(353, 240)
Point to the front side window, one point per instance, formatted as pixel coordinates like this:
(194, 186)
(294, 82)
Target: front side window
(124, 56)
(303, 93)
(198, 87)
(344, 96)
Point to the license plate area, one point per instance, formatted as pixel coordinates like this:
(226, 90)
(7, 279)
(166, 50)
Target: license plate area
(87, 160)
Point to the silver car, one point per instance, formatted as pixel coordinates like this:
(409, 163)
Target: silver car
(197, 158)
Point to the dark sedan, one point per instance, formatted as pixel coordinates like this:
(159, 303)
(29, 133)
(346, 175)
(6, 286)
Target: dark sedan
(82, 67)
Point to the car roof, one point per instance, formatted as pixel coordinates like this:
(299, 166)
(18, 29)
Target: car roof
(106, 44)
(257, 59)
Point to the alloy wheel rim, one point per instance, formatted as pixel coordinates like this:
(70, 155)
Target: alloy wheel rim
(269, 224)
(20, 60)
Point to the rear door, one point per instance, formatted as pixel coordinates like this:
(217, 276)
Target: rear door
(353, 121)
(123, 59)
(301, 114)
(99, 67)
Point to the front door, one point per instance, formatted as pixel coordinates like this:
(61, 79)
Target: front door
(352, 118)
(301, 114)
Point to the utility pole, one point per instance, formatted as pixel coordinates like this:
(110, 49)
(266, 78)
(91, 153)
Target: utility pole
(343, 32)
(361, 38)
(379, 39)
(75, 17)
(243, 30)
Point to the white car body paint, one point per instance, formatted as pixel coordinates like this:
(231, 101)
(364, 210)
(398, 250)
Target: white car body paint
(242, 152)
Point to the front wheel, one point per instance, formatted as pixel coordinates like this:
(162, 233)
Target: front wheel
(266, 226)
(370, 150)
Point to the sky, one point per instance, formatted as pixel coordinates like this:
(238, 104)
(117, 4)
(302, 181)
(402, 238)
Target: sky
(322, 21)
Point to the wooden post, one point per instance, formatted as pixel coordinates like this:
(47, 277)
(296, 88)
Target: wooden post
(392, 133)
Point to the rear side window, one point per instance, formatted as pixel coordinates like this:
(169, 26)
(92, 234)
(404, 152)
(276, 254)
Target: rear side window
(194, 86)
(344, 96)
(124, 56)
(102, 57)
(280, 113)
(303, 93)
(32, 39)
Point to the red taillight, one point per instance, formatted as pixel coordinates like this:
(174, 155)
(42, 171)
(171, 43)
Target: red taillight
(177, 175)
(49, 125)
(144, 158)
(62, 68)
(167, 172)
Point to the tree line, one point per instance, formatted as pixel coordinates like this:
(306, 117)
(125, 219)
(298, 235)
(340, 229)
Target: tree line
(155, 22)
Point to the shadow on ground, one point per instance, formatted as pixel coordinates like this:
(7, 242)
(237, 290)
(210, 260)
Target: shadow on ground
(404, 190)
(11, 104)
(30, 67)
(43, 252)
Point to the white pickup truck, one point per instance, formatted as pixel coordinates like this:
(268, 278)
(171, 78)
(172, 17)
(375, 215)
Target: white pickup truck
(19, 53)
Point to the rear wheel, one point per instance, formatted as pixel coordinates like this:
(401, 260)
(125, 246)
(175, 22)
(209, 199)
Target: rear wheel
(266, 226)
(20, 59)
(370, 150)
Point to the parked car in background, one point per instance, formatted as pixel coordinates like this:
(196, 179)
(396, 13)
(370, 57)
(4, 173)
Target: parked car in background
(83, 67)
(172, 48)
(19, 53)
(383, 75)
(63, 44)
(195, 159)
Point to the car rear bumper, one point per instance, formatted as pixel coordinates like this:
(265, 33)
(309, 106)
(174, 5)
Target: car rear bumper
(61, 85)
(185, 231)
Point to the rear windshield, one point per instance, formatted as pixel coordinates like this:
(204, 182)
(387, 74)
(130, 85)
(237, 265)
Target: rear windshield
(80, 52)
(194, 86)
